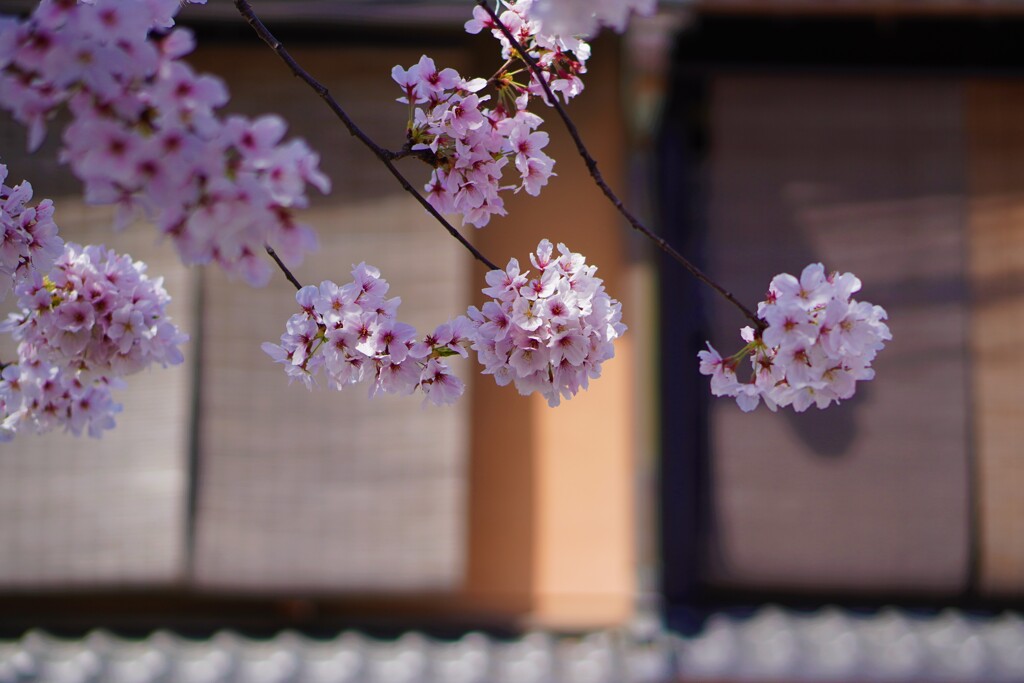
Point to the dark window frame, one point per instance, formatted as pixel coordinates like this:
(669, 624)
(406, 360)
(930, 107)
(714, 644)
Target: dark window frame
(712, 45)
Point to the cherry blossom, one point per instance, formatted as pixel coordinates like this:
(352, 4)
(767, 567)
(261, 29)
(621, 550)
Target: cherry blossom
(38, 397)
(561, 55)
(350, 333)
(472, 139)
(548, 333)
(470, 144)
(28, 236)
(145, 134)
(94, 318)
(817, 343)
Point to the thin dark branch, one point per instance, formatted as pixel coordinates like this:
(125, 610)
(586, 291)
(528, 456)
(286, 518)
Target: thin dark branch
(599, 179)
(501, 71)
(424, 155)
(385, 156)
(284, 269)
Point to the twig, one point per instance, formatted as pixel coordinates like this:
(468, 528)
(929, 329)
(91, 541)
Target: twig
(385, 156)
(280, 264)
(499, 72)
(599, 179)
(424, 155)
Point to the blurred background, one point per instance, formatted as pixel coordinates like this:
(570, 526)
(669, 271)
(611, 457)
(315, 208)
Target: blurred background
(233, 528)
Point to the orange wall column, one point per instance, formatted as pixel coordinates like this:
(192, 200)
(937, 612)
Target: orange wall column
(552, 508)
(996, 164)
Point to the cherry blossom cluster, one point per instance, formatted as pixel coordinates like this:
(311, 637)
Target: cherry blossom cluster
(562, 57)
(28, 236)
(96, 317)
(38, 397)
(468, 139)
(351, 334)
(548, 333)
(817, 343)
(145, 135)
(471, 144)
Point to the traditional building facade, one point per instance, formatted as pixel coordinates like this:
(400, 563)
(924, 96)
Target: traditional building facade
(882, 138)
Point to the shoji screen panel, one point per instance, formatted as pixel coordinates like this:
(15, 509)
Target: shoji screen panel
(864, 175)
(324, 491)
